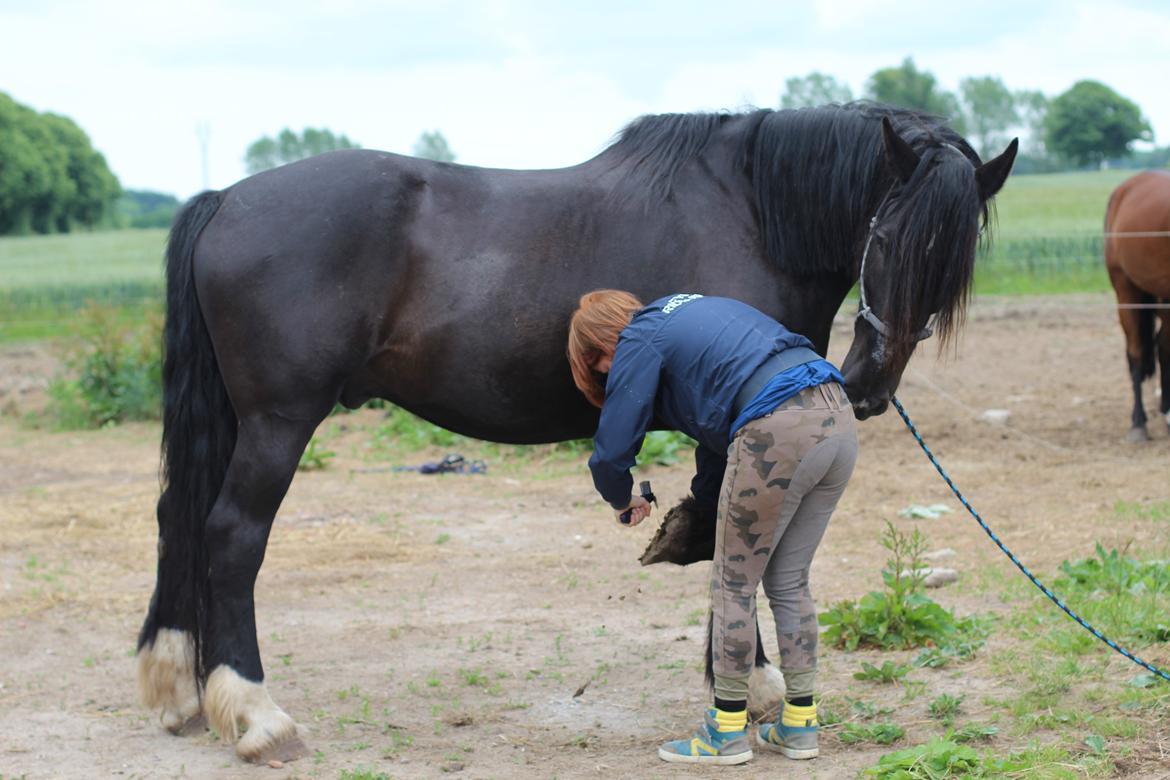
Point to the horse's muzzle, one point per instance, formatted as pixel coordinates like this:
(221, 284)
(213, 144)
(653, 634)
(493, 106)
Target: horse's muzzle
(870, 407)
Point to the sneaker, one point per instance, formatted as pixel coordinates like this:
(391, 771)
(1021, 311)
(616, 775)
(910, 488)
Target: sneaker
(709, 745)
(794, 733)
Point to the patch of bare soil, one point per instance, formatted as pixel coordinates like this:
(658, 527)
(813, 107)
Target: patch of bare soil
(427, 626)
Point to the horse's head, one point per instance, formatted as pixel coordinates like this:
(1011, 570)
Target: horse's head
(916, 264)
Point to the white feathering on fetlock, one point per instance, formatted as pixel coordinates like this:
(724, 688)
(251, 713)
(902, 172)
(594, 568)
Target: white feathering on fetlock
(234, 705)
(166, 678)
(765, 692)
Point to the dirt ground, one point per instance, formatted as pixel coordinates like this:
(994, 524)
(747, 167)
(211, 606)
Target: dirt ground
(428, 626)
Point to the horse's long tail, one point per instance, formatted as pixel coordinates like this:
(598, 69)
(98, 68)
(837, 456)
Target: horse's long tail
(199, 434)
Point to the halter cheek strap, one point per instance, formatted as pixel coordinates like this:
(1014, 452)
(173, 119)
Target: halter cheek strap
(866, 313)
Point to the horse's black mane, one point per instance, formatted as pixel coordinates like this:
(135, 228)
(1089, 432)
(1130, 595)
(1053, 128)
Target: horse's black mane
(818, 175)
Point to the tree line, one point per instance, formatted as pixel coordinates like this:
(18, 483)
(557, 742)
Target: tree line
(288, 146)
(1086, 125)
(51, 177)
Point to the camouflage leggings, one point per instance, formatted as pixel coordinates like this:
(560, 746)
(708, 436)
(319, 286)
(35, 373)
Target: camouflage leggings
(785, 473)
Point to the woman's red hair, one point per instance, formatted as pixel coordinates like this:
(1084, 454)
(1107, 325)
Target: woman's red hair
(593, 333)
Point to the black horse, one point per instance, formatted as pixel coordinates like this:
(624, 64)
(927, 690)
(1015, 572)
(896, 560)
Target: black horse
(447, 289)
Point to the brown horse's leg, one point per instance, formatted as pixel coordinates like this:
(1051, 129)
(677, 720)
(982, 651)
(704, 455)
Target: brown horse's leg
(236, 701)
(1164, 359)
(1137, 324)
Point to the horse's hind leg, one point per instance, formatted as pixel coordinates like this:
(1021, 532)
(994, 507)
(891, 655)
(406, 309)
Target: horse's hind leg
(1164, 360)
(1137, 324)
(166, 653)
(236, 701)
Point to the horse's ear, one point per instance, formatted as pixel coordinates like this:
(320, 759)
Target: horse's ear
(991, 175)
(899, 154)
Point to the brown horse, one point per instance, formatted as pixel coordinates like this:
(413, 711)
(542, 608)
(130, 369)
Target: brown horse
(1137, 254)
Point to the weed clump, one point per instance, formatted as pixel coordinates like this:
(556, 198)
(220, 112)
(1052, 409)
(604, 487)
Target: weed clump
(115, 371)
(901, 616)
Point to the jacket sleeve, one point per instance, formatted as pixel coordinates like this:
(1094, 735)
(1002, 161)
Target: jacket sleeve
(625, 416)
(708, 479)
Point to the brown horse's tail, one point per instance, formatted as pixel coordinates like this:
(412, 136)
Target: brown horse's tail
(199, 434)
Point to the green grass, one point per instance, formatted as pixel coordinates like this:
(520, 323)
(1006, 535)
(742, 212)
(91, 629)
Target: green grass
(45, 280)
(1048, 235)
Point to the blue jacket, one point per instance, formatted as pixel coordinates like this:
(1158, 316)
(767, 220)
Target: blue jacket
(681, 361)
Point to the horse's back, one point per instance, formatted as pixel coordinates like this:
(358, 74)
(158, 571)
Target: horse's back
(365, 273)
(1137, 228)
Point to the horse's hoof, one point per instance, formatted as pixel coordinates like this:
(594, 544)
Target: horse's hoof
(242, 709)
(286, 750)
(166, 680)
(189, 727)
(1137, 434)
(765, 693)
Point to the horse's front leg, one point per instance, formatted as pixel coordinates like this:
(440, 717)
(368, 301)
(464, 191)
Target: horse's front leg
(236, 700)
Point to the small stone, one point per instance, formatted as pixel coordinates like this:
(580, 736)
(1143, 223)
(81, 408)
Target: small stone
(995, 416)
(939, 577)
(276, 764)
(933, 578)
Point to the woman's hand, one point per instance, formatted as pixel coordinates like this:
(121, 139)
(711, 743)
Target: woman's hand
(639, 510)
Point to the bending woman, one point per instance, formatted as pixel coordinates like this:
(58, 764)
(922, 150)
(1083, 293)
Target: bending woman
(738, 382)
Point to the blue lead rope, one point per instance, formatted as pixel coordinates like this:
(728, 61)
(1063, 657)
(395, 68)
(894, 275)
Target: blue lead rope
(1011, 556)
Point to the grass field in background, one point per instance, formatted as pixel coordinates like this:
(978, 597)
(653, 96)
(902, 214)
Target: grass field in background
(46, 280)
(1047, 235)
(1047, 239)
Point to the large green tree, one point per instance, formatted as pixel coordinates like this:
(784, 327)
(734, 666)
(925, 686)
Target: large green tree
(909, 87)
(1090, 123)
(287, 146)
(51, 178)
(815, 89)
(989, 110)
(432, 145)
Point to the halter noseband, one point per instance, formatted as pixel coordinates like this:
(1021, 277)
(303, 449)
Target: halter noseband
(866, 313)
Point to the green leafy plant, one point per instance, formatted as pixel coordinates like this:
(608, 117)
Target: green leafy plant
(662, 448)
(945, 708)
(401, 429)
(974, 732)
(888, 672)
(901, 616)
(937, 759)
(1115, 574)
(863, 710)
(938, 657)
(877, 733)
(363, 774)
(314, 458)
(1127, 598)
(115, 371)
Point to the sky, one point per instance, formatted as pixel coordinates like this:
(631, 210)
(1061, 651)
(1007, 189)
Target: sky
(517, 83)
